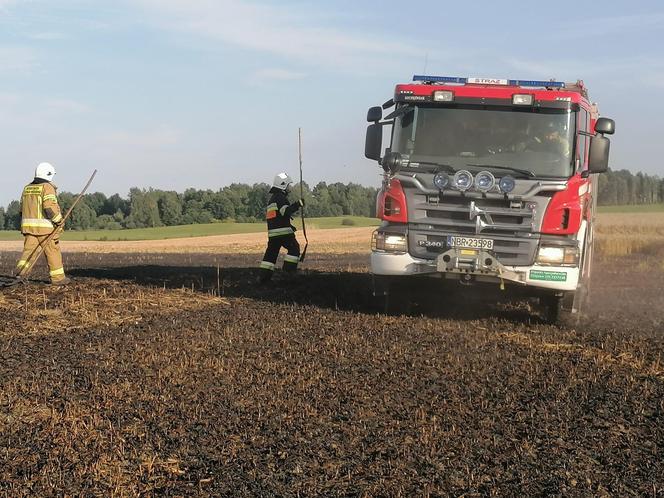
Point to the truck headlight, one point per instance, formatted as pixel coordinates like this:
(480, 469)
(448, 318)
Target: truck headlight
(558, 255)
(388, 242)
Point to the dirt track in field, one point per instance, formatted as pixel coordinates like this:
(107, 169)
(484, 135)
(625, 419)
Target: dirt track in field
(140, 379)
(335, 240)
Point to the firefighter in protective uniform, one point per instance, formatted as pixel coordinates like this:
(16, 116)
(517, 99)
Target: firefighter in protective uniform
(41, 215)
(280, 231)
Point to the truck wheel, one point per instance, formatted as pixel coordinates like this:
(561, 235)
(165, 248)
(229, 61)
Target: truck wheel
(579, 303)
(558, 310)
(567, 310)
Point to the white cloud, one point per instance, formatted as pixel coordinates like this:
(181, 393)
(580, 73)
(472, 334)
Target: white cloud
(619, 26)
(270, 74)
(6, 3)
(643, 69)
(66, 106)
(163, 136)
(17, 59)
(303, 37)
(48, 36)
(8, 100)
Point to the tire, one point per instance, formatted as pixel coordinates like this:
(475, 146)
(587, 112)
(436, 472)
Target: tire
(558, 310)
(581, 298)
(567, 310)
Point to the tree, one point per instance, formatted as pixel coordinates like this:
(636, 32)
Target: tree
(2, 218)
(170, 208)
(13, 216)
(144, 209)
(256, 202)
(223, 207)
(116, 203)
(83, 217)
(96, 202)
(107, 222)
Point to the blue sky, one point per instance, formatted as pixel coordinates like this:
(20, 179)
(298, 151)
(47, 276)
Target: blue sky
(201, 93)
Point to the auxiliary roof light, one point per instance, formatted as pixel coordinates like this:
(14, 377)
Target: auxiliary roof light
(441, 180)
(443, 96)
(522, 99)
(463, 180)
(484, 181)
(507, 184)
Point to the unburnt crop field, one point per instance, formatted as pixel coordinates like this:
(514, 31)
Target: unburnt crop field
(157, 373)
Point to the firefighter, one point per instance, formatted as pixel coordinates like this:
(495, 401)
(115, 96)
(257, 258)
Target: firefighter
(41, 215)
(280, 231)
(551, 138)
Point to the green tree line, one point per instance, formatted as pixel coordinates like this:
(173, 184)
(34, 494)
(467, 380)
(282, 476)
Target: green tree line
(237, 202)
(618, 188)
(246, 203)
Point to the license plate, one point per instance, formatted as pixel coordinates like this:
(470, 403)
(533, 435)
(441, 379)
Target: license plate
(470, 242)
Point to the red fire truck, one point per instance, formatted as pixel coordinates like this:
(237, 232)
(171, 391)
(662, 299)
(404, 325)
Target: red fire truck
(489, 181)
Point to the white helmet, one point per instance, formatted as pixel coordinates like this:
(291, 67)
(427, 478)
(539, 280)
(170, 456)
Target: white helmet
(45, 171)
(282, 181)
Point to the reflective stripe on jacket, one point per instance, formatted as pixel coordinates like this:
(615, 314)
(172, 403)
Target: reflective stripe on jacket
(279, 213)
(39, 208)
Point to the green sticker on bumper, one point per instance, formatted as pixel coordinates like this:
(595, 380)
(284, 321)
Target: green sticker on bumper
(548, 276)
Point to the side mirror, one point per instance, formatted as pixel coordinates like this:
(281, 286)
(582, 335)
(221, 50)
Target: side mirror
(598, 157)
(606, 126)
(374, 141)
(393, 162)
(375, 114)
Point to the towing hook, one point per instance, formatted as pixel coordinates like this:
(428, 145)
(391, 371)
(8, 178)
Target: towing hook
(467, 279)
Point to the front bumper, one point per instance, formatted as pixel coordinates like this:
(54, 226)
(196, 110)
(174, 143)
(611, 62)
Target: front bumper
(456, 263)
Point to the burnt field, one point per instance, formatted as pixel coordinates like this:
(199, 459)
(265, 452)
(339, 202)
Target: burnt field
(176, 375)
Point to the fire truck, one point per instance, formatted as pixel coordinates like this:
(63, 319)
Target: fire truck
(489, 182)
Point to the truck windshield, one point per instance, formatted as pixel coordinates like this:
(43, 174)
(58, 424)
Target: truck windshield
(536, 140)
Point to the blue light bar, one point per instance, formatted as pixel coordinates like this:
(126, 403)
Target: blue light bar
(439, 79)
(548, 84)
(463, 81)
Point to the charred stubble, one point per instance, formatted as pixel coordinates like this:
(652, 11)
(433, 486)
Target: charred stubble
(132, 385)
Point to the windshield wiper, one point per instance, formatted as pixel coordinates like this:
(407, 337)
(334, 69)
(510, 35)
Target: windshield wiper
(449, 168)
(525, 172)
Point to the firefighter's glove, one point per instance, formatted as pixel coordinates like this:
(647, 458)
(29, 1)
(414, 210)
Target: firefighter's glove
(58, 223)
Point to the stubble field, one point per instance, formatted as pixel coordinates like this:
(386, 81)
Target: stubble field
(165, 373)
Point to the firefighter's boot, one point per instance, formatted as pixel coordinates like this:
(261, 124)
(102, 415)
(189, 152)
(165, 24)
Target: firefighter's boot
(61, 281)
(290, 263)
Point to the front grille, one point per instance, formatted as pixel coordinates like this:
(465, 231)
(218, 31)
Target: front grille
(511, 225)
(467, 215)
(509, 251)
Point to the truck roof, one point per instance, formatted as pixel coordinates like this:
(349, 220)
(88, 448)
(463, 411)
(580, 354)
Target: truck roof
(492, 88)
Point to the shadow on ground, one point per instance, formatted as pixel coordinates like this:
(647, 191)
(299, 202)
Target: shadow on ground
(341, 290)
